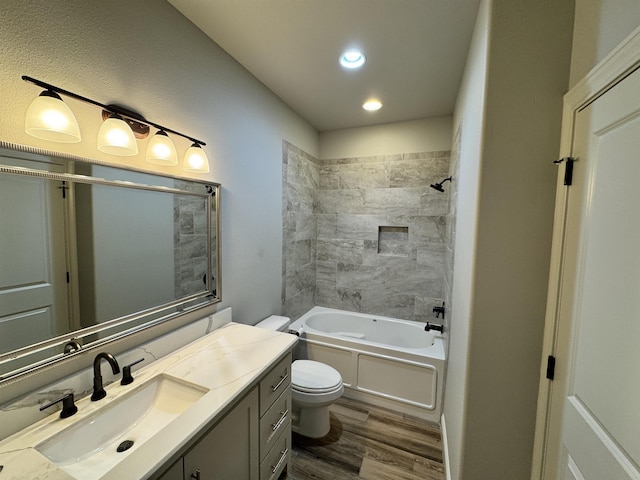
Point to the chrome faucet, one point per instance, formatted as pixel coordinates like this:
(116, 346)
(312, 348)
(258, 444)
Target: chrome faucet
(98, 389)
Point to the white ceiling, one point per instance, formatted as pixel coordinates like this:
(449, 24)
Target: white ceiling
(416, 50)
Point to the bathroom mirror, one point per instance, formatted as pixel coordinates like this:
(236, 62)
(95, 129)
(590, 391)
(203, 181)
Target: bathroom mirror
(90, 253)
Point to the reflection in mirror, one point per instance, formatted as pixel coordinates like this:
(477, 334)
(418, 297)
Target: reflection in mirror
(90, 253)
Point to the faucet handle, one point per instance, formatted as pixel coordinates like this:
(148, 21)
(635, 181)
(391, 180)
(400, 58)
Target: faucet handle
(439, 310)
(68, 406)
(127, 378)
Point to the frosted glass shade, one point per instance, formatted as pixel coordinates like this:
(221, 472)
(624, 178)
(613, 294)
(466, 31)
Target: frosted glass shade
(161, 151)
(116, 138)
(195, 160)
(49, 118)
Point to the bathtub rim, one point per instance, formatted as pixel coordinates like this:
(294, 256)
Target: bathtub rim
(435, 351)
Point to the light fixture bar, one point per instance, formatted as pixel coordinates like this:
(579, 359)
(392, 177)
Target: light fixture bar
(110, 108)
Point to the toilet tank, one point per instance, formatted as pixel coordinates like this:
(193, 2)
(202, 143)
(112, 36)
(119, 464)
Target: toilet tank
(275, 322)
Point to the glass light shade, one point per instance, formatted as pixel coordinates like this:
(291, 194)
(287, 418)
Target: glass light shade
(195, 160)
(116, 138)
(49, 118)
(161, 151)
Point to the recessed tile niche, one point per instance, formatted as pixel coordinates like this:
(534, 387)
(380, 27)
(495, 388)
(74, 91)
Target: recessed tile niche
(393, 241)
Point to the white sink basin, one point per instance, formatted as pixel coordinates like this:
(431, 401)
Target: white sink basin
(88, 448)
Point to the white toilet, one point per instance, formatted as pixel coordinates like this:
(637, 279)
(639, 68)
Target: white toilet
(314, 387)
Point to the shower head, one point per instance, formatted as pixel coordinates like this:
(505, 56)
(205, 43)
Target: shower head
(438, 186)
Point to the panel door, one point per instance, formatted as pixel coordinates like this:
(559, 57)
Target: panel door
(33, 266)
(596, 413)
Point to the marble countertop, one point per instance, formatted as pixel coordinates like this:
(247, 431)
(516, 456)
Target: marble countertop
(228, 361)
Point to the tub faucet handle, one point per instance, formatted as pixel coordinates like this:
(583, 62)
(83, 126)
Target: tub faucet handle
(439, 310)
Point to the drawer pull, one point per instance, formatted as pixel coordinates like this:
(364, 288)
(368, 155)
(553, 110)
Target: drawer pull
(282, 379)
(283, 457)
(275, 426)
(196, 475)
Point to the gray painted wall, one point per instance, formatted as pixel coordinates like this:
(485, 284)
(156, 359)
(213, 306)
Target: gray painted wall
(147, 56)
(510, 109)
(600, 25)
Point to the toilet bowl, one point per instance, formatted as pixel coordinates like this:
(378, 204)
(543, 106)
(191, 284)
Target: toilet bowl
(314, 387)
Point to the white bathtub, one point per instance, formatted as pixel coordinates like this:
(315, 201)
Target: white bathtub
(386, 361)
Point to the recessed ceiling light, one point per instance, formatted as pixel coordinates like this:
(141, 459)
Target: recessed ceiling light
(352, 58)
(372, 105)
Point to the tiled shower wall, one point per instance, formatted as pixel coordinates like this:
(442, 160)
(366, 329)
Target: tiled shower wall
(300, 172)
(365, 234)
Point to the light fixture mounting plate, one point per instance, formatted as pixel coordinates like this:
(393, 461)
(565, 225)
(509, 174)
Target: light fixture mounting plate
(133, 119)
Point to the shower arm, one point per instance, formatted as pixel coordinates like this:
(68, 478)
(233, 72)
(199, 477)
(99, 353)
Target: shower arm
(438, 186)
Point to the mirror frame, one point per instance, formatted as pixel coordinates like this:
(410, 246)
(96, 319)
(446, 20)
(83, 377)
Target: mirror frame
(156, 315)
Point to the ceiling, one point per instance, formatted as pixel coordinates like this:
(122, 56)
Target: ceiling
(416, 50)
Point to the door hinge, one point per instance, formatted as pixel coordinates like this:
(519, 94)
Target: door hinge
(551, 367)
(568, 169)
(67, 277)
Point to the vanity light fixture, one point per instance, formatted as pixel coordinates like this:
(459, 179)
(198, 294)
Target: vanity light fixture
(118, 133)
(195, 160)
(116, 137)
(372, 105)
(161, 150)
(49, 118)
(352, 59)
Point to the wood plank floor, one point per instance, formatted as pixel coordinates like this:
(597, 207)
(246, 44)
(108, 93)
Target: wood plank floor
(369, 442)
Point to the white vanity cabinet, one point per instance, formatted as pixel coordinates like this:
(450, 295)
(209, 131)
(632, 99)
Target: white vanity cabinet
(251, 442)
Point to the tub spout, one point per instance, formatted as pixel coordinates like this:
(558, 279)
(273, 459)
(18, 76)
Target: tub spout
(433, 326)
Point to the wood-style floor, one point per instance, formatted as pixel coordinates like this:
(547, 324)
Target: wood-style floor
(369, 442)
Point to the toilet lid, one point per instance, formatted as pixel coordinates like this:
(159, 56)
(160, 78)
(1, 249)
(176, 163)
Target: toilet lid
(314, 377)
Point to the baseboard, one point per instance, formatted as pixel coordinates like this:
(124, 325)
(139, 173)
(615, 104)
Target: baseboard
(445, 448)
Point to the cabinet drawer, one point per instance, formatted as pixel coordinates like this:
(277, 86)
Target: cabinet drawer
(276, 420)
(274, 383)
(278, 457)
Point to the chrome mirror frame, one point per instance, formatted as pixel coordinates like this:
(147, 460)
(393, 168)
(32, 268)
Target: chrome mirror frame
(67, 345)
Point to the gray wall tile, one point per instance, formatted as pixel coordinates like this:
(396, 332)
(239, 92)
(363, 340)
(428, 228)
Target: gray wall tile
(359, 227)
(340, 250)
(326, 225)
(333, 211)
(392, 201)
(367, 175)
(340, 201)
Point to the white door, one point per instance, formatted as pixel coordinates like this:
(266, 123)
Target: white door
(33, 280)
(594, 420)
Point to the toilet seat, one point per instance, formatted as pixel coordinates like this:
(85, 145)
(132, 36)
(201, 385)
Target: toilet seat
(308, 376)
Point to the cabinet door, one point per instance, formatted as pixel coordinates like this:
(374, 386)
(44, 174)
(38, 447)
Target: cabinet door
(174, 473)
(230, 450)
